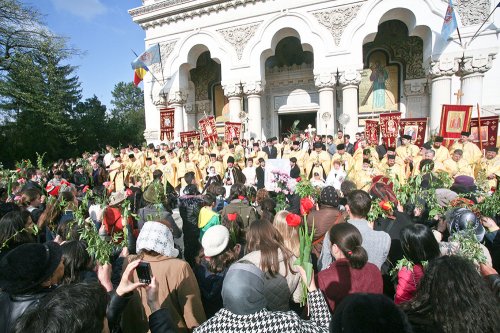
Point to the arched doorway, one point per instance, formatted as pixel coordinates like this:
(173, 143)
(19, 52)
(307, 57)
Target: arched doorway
(291, 94)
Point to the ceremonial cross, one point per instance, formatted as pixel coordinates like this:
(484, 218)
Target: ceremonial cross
(459, 95)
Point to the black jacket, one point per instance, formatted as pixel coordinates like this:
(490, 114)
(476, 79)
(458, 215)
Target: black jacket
(295, 172)
(12, 307)
(271, 153)
(350, 148)
(259, 172)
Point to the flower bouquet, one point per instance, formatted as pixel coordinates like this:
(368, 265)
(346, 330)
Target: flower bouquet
(283, 186)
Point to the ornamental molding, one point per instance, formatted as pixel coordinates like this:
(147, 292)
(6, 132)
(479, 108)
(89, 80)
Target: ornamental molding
(203, 107)
(473, 12)
(239, 36)
(175, 10)
(477, 64)
(444, 67)
(177, 97)
(350, 78)
(415, 88)
(189, 108)
(336, 20)
(151, 135)
(166, 49)
(232, 89)
(325, 80)
(253, 88)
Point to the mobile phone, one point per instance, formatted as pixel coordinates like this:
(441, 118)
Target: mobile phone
(144, 272)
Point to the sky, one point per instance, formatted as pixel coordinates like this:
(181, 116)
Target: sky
(105, 34)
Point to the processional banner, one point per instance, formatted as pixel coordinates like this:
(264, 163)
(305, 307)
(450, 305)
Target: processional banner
(389, 128)
(372, 131)
(167, 124)
(189, 136)
(455, 119)
(231, 130)
(414, 127)
(208, 128)
(486, 133)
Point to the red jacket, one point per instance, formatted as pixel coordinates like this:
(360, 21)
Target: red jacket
(407, 283)
(340, 280)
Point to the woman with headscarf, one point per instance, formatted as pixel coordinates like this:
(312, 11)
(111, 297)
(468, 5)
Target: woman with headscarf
(178, 289)
(244, 296)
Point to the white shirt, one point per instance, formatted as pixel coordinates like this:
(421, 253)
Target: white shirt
(108, 158)
(251, 177)
(335, 178)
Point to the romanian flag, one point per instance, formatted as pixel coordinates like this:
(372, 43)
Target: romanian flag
(139, 74)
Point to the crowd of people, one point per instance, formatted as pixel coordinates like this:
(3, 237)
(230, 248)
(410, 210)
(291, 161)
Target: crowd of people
(221, 257)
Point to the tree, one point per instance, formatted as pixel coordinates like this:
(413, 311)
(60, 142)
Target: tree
(36, 98)
(91, 123)
(127, 119)
(21, 31)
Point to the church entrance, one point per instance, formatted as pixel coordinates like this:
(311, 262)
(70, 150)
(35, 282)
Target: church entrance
(299, 121)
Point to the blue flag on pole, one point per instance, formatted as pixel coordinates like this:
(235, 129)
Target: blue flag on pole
(148, 57)
(450, 22)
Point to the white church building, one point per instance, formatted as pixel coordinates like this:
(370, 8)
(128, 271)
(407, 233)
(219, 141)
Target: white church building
(331, 64)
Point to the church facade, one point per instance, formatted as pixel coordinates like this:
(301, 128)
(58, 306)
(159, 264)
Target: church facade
(329, 64)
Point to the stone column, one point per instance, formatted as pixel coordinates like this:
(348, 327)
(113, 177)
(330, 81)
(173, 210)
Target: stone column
(349, 81)
(416, 94)
(441, 72)
(177, 101)
(253, 90)
(326, 89)
(233, 93)
(472, 71)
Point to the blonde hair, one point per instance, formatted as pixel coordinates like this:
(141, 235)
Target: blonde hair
(290, 234)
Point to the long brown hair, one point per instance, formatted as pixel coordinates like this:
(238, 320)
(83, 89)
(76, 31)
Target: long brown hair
(348, 239)
(262, 236)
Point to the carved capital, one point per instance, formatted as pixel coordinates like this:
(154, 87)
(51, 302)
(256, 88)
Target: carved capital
(325, 80)
(159, 96)
(189, 108)
(177, 97)
(203, 107)
(444, 67)
(253, 88)
(239, 36)
(350, 77)
(336, 20)
(477, 64)
(232, 89)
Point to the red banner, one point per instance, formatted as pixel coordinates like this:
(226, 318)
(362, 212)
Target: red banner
(414, 127)
(488, 132)
(372, 131)
(167, 124)
(208, 128)
(389, 127)
(189, 136)
(231, 130)
(455, 119)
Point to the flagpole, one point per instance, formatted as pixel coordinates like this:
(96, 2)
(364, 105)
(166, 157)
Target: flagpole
(460, 38)
(479, 127)
(477, 32)
(161, 64)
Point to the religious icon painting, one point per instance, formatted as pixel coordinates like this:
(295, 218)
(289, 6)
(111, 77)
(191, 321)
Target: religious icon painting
(379, 87)
(454, 120)
(167, 124)
(487, 136)
(414, 127)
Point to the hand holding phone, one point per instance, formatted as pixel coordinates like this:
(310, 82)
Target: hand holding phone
(144, 272)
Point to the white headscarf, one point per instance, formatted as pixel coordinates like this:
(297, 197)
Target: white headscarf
(157, 237)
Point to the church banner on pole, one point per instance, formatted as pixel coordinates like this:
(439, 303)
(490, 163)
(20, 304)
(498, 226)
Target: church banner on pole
(389, 127)
(455, 119)
(189, 136)
(167, 124)
(414, 127)
(372, 131)
(208, 128)
(486, 133)
(231, 130)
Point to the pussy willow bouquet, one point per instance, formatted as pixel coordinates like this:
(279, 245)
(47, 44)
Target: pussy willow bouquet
(283, 186)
